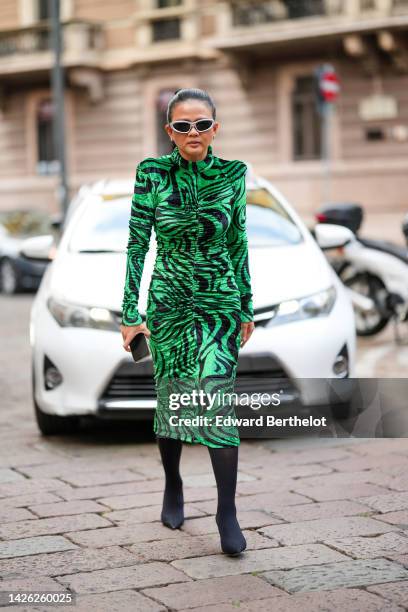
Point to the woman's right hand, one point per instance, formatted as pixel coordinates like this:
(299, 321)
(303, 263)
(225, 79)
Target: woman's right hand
(130, 331)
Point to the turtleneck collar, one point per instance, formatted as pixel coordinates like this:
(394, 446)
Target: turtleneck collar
(194, 166)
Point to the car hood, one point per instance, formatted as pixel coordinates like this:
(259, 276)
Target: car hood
(11, 245)
(277, 274)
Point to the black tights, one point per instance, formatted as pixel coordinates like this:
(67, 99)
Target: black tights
(173, 503)
(225, 465)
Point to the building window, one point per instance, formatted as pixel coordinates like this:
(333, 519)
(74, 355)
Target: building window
(43, 10)
(166, 29)
(374, 133)
(306, 120)
(162, 140)
(47, 162)
(43, 37)
(297, 9)
(252, 13)
(167, 3)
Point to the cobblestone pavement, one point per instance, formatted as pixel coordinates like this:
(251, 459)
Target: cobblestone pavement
(325, 519)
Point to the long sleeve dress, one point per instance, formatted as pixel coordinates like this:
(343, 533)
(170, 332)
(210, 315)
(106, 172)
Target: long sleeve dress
(199, 293)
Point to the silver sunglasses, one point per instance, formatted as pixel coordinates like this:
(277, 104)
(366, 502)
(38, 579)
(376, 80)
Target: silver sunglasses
(183, 127)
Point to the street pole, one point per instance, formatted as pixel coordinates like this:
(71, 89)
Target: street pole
(327, 88)
(57, 78)
(326, 185)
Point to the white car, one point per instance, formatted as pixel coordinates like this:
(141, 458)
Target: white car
(304, 322)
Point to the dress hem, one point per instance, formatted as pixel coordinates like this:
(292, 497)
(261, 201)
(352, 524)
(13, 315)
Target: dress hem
(191, 440)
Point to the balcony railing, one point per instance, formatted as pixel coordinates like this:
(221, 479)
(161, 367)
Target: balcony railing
(400, 5)
(384, 6)
(248, 13)
(38, 38)
(259, 12)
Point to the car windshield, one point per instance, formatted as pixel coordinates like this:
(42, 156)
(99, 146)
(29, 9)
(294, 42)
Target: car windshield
(268, 223)
(104, 225)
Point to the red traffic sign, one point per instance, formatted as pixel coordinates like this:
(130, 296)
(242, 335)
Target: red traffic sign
(328, 83)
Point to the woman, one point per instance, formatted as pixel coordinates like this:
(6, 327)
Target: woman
(199, 310)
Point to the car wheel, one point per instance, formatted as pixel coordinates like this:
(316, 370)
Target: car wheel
(52, 424)
(8, 277)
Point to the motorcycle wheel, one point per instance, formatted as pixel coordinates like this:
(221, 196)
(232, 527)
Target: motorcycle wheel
(370, 286)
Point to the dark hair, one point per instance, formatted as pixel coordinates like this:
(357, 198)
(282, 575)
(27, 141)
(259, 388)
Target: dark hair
(180, 95)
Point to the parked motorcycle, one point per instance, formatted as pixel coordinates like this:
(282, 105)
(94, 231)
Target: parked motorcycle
(376, 272)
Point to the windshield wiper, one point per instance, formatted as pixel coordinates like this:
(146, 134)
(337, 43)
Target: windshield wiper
(99, 251)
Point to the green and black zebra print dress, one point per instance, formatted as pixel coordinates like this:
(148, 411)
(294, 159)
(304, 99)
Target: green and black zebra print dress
(199, 293)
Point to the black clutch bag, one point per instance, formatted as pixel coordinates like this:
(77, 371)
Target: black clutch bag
(139, 347)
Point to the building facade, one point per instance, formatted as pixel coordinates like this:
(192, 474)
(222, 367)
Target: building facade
(124, 58)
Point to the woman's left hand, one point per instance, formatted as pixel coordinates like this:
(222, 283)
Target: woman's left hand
(246, 331)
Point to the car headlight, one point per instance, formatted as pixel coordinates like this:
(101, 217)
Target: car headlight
(315, 305)
(73, 315)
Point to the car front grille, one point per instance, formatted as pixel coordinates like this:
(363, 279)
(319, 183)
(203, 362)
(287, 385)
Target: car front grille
(255, 374)
(131, 380)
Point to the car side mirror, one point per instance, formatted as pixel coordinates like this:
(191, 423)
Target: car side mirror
(39, 247)
(331, 236)
(57, 221)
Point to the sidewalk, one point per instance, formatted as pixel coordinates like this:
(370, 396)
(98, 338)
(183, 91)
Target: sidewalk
(325, 522)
